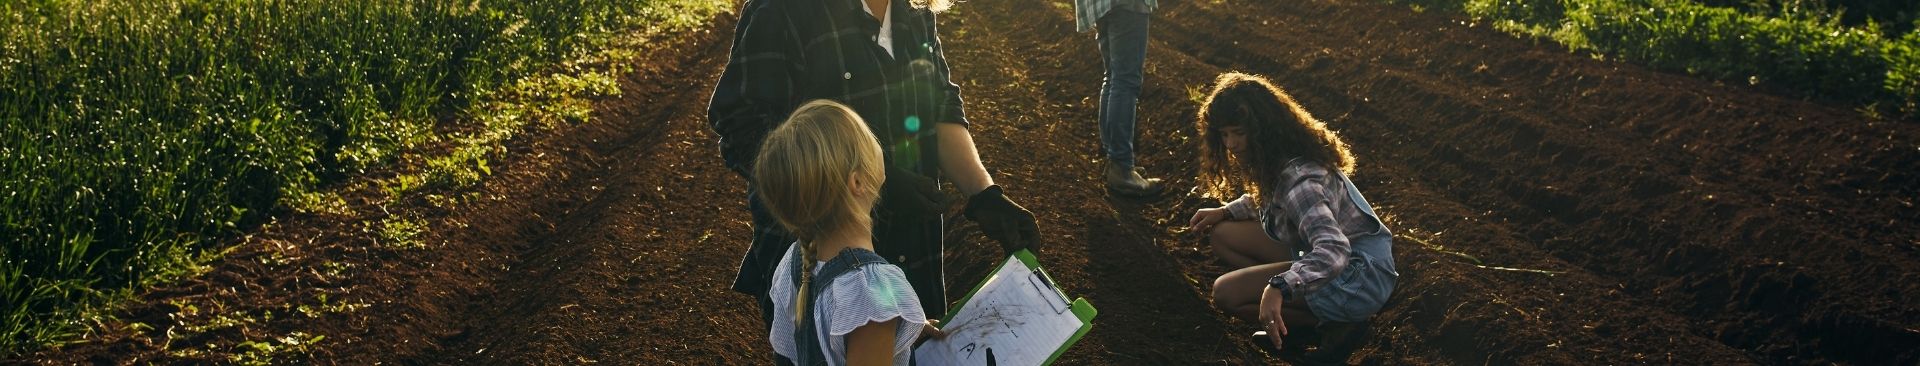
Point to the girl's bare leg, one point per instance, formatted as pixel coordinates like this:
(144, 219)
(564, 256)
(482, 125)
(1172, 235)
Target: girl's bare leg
(1243, 244)
(1238, 293)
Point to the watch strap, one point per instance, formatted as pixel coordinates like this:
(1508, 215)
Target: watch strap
(1281, 283)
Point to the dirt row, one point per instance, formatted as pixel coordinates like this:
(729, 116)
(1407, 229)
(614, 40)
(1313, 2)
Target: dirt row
(525, 271)
(1777, 228)
(1679, 220)
(1549, 208)
(1446, 305)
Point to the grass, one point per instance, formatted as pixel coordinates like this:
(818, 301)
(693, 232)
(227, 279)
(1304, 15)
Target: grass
(138, 135)
(402, 233)
(1804, 47)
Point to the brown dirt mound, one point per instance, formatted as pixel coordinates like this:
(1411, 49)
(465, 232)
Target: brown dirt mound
(1652, 218)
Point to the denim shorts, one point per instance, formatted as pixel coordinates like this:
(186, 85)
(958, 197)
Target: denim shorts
(1361, 289)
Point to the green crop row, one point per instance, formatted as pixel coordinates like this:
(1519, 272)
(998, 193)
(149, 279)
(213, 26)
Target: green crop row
(134, 134)
(1808, 51)
(1893, 18)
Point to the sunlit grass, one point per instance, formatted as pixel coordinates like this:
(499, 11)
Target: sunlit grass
(136, 133)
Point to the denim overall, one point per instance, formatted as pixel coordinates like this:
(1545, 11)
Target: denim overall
(1362, 289)
(806, 337)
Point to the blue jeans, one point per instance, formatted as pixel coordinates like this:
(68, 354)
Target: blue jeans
(1123, 49)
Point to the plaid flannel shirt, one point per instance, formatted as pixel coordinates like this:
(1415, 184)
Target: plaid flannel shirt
(1312, 212)
(1087, 13)
(787, 52)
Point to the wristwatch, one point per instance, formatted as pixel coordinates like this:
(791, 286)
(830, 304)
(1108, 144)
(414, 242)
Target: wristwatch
(1286, 292)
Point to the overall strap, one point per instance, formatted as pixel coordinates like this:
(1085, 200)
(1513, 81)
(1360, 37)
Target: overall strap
(806, 335)
(1380, 248)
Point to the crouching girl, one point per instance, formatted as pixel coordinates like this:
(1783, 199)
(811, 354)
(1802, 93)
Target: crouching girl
(1297, 198)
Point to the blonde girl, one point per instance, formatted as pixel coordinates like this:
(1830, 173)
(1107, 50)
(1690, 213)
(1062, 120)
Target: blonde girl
(835, 301)
(884, 60)
(1306, 247)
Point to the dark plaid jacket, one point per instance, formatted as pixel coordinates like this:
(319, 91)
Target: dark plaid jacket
(787, 52)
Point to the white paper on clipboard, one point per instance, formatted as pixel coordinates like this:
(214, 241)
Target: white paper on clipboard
(1016, 316)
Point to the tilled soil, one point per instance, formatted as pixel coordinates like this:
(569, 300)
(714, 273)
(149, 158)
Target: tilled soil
(1548, 207)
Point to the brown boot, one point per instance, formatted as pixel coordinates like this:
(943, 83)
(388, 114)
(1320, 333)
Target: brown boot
(1128, 182)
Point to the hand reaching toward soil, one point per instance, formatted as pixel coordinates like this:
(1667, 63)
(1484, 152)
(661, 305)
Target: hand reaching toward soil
(1270, 304)
(1204, 219)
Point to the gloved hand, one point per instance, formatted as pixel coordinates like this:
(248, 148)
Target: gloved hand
(911, 197)
(1004, 221)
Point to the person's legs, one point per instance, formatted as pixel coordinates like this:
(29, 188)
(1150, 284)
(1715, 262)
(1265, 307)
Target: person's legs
(1243, 244)
(1238, 293)
(1123, 45)
(1123, 51)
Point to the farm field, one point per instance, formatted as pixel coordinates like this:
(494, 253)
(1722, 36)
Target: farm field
(1549, 208)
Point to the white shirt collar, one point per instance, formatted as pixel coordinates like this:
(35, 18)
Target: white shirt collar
(885, 38)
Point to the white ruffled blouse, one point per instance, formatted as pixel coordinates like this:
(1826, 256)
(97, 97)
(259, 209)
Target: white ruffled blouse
(870, 293)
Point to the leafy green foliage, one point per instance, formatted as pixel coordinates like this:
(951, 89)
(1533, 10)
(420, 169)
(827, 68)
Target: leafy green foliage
(1903, 71)
(136, 133)
(1810, 51)
(402, 233)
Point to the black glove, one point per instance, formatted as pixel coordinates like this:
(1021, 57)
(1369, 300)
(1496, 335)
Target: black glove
(911, 197)
(1003, 220)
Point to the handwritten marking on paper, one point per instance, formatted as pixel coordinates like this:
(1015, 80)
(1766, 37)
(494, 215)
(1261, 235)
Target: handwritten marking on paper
(1015, 317)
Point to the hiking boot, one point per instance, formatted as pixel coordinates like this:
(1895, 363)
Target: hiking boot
(1337, 341)
(1264, 342)
(1296, 345)
(1330, 342)
(1128, 182)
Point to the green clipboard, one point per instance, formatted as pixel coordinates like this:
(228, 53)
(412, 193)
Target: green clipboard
(1080, 307)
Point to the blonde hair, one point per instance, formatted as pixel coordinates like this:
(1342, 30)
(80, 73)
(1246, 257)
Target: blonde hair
(804, 173)
(936, 6)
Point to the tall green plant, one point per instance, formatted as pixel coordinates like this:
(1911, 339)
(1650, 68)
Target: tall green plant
(133, 133)
(1903, 70)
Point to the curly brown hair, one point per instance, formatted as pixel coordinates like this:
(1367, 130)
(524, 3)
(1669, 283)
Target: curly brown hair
(1278, 130)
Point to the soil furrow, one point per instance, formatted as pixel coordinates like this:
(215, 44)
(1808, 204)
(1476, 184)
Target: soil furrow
(1521, 156)
(1549, 209)
(1030, 95)
(594, 286)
